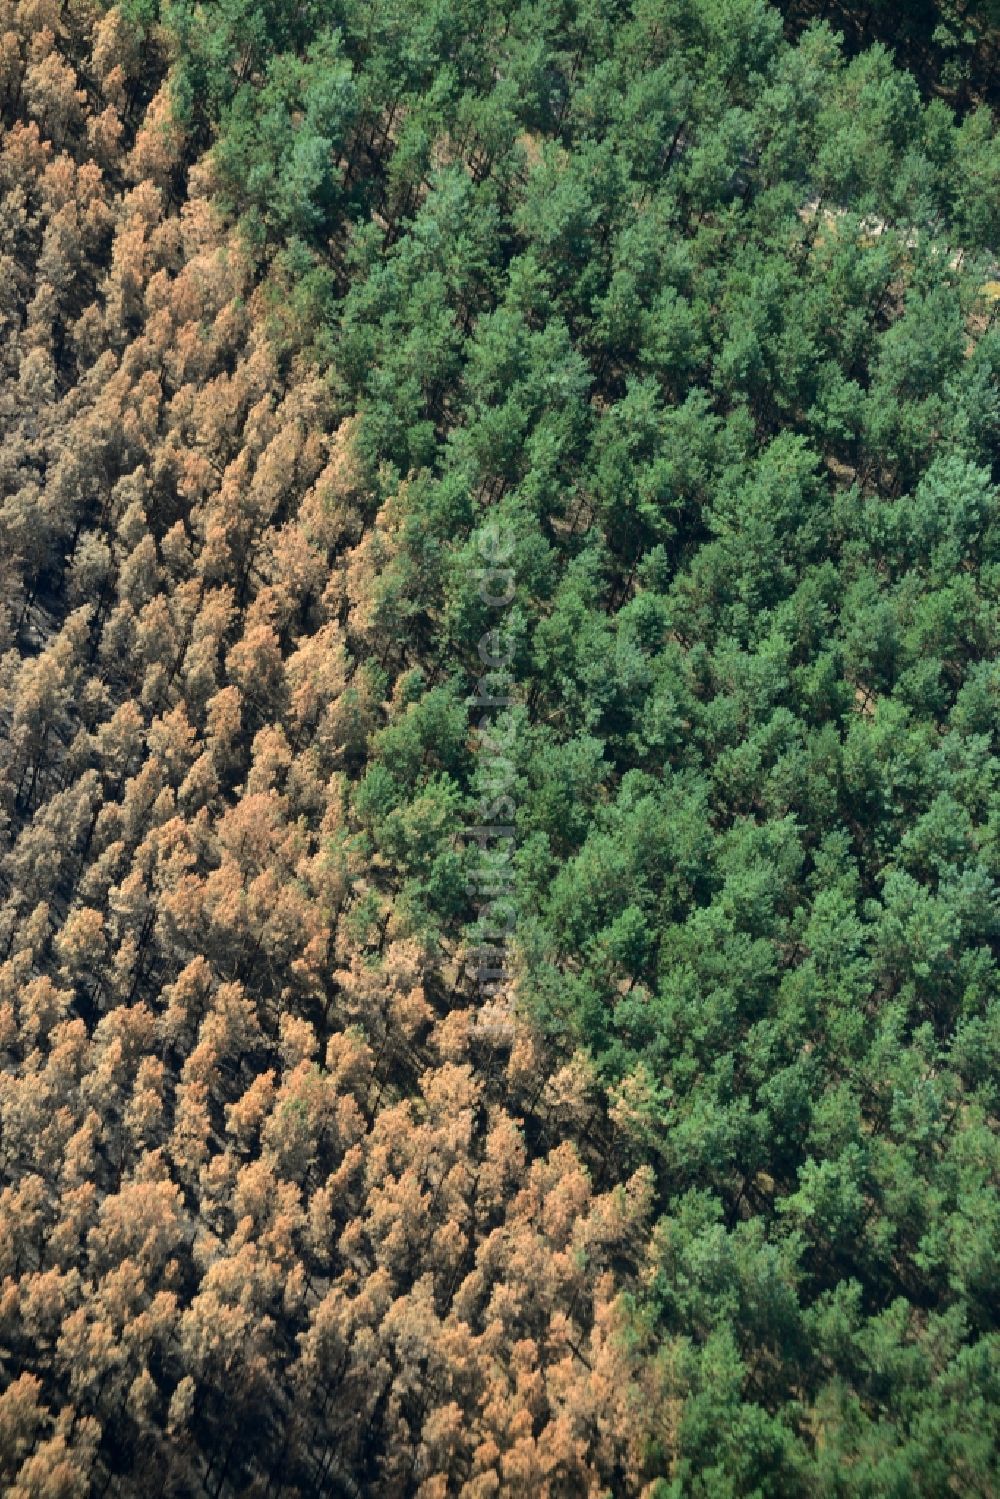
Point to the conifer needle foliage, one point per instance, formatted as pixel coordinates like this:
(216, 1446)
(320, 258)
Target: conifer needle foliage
(688, 310)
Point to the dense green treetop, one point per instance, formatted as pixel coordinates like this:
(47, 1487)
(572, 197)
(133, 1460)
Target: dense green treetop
(703, 318)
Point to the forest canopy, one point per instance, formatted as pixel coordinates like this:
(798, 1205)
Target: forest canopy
(499, 713)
